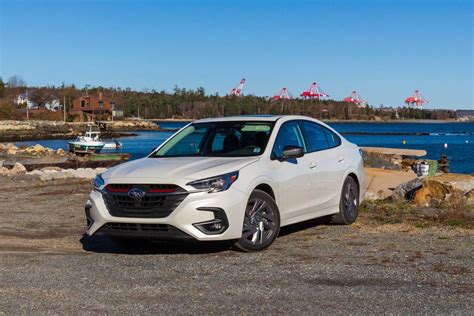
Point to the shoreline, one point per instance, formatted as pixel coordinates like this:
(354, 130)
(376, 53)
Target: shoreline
(19, 131)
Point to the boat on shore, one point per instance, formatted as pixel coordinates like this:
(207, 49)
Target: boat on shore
(91, 143)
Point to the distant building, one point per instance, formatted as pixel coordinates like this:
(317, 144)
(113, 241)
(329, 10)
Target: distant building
(53, 105)
(92, 108)
(22, 99)
(117, 112)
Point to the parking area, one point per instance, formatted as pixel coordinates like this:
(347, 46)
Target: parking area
(47, 264)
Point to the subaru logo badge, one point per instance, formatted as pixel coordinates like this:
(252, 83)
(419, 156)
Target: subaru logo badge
(136, 193)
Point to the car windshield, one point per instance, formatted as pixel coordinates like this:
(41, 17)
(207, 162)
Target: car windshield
(218, 139)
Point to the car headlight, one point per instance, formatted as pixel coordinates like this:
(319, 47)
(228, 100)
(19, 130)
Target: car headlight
(215, 184)
(98, 182)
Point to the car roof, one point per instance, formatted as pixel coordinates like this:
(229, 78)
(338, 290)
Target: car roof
(265, 118)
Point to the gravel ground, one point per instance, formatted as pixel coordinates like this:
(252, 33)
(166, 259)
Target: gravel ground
(48, 266)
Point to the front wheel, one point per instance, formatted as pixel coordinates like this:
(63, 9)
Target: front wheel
(349, 203)
(261, 222)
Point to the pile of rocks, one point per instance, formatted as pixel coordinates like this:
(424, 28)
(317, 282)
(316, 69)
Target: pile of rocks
(52, 173)
(391, 158)
(10, 125)
(133, 125)
(449, 189)
(36, 150)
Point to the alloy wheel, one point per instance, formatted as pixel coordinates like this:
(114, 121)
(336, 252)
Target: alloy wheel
(350, 201)
(260, 222)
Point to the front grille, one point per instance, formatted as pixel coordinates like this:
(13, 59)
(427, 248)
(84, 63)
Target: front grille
(159, 201)
(132, 227)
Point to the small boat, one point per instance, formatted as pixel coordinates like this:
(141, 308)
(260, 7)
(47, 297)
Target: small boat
(91, 143)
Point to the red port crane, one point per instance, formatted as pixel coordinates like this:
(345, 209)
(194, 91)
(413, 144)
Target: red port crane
(356, 99)
(416, 99)
(238, 90)
(282, 95)
(314, 92)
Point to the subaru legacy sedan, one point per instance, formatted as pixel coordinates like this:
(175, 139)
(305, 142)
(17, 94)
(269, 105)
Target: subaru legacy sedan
(234, 178)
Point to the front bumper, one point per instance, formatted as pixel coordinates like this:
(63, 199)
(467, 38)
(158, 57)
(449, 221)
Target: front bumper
(196, 208)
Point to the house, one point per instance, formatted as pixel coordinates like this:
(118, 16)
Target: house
(117, 112)
(22, 99)
(92, 108)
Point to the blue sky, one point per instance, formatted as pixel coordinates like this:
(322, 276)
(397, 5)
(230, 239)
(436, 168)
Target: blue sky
(384, 49)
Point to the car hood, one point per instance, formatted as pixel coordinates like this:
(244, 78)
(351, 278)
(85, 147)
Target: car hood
(192, 168)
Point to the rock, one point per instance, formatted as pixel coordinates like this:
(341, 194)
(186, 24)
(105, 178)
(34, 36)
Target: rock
(407, 190)
(18, 169)
(12, 151)
(423, 197)
(51, 173)
(470, 197)
(60, 151)
(1, 163)
(52, 168)
(2, 146)
(372, 196)
(85, 173)
(10, 145)
(38, 148)
(448, 188)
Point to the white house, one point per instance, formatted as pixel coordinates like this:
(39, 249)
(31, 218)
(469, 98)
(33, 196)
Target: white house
(51, 106)
(22, 99)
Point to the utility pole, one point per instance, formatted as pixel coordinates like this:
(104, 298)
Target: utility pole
(64, 108)
(138, 112)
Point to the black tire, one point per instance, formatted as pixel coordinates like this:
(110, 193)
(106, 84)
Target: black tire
(261, 224)
(349, 203)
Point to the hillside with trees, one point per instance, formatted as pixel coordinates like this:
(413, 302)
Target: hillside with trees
(195, 103)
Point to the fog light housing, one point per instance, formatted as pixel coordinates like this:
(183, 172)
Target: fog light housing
(218, 225)
(89, 219)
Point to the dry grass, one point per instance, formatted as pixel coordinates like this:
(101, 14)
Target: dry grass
(387, 212)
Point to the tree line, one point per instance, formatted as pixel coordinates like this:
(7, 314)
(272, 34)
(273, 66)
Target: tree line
(195, 103)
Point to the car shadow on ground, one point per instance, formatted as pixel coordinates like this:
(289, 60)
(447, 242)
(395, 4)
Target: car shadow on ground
(141, 246)
(295, 228)
(137, 246)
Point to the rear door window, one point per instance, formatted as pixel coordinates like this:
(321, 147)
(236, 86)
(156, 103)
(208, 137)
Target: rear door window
(333, 139)
(315, 136)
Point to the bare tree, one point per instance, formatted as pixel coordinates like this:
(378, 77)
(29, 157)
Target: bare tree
(16, 81)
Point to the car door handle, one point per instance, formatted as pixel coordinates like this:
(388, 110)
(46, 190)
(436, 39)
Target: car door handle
(313, 165)
(340, 159)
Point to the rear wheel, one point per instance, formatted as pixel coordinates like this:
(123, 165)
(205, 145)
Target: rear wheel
(349, 203)
(261, 222)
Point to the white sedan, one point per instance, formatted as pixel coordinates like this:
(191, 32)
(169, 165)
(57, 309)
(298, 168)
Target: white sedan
(235, 178)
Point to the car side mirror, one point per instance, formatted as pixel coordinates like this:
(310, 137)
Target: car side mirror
(290, 152)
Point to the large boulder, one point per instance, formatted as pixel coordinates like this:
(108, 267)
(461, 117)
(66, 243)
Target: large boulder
(447, 189)
(407, 190)
(18, 169)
